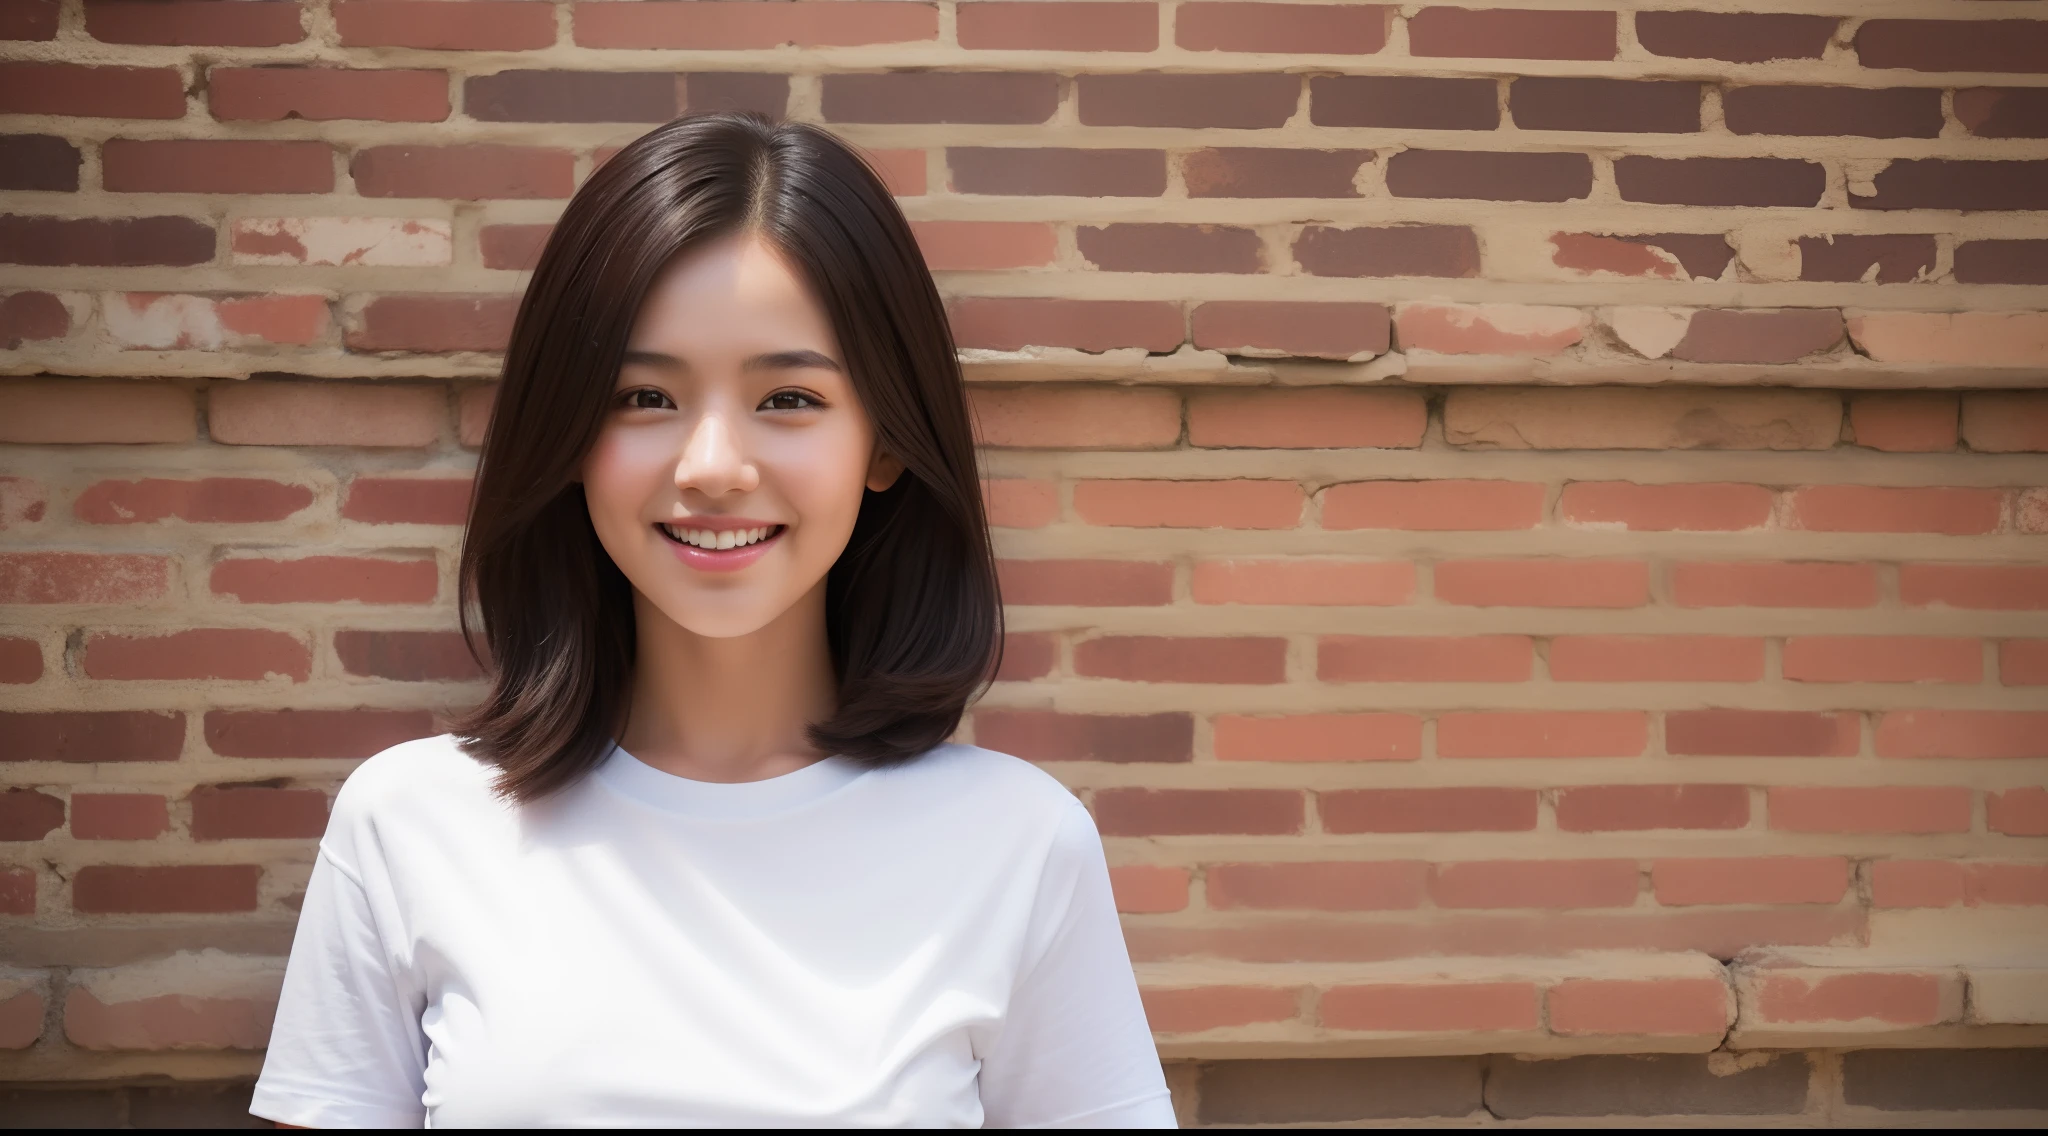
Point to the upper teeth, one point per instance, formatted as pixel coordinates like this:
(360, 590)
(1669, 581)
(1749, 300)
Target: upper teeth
(724, 538)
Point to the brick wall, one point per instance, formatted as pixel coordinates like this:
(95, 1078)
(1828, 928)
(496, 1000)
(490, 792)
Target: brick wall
(1528, 526)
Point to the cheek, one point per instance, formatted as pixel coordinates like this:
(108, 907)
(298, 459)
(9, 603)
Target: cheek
(823, 476)
(618, 475)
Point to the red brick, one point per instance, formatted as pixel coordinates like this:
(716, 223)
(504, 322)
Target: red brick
(82, 578)
(119, 816)
(91, 92)
(1954, 45)
(473, 413)
(26, 814)
(1543, 583)
(195, 23)
(572, 96)
(1313, 29)
(903, 171)
(435, 323)
(1963, 733)
(232, 654)
(1440, 506)
(1153, 98)
(2017, 812)
(92, 736)
(1656, 658)
(1912, 422)
(476, 25)
(1543, 733)
(21, 661)
(1883, 658)
(982, 246)
(1198, 812)
(103, 241)
(1390, 658)
(1536, 883)
(1643, 808)
(1047, 735)
(1313, 330)
(1144, 889)
(1318, 737)
(1337, 886)
(1011, 324)
(1979, 587)
(273, 94)
(1699, 507)
(515, 247)
(1496, 33)
(230, 812)
(1190, 504)
(1307, 418)
(1873, 508)
(212, 500)
(1884, 258)
(1200, 1008)
(1896, 999)
(326, 579)
(1016, 171)
(1383, 583)
(161, 321)
(1411, 102)
(1880, 809)
(216, 165)
(1759, 182)
(1232, 171)
(727, 25)
(30, 20)
(2006, 884)
(1472, 809)
(1020, 503)
(408, 500)
(2006, 422)
(1764, 584)
(1075, 418)
(1153, 658)
(1735, 37)
(1084, 26)
(996, 98)
(1803, 111)
(1156, 247)
(28, 316)
(1762, 733)
(407, 656)
(1086, 583)
(1027, 655)
(312, 733)
(110, 889)
(1640, 1007)
(1916, 883)
(17, 891)
(1488, 329)
(1781, 335)
(1774, 879)
(2021, 662)
(466, 173)
(1549, 102)
(1395, 250)
(254, 412)
(1488, 175)
(1430, 1007)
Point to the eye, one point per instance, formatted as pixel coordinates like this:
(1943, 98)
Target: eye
(789, 400)
(646, 398)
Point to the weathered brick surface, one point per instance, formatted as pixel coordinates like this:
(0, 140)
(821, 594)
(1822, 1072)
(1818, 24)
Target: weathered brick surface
(1607, 439)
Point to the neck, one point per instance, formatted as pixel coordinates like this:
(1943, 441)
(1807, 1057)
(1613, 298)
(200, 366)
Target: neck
(731, 709)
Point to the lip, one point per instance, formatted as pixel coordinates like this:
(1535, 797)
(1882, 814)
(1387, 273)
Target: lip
(721, 560)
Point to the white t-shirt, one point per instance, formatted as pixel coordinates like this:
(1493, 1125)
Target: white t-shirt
(930, 945)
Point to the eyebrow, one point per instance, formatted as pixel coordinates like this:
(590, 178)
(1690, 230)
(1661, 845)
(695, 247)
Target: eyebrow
(771, 361)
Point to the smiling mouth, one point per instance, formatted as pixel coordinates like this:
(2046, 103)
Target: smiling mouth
(724, 540)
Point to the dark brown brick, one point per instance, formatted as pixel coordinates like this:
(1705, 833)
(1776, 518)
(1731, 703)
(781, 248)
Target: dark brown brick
(1509, 33)
(109, 242)
(516, 247)
(1945, 1080)
(1322, 29)
(1335, 1090)
(87, 735)
(1784, 335)
(1396, 250)
(1939, 183)
(29, 19)
(1485, 175)
(1243, 102)
(465, 172)
(26, 814)
(1759, 733)
(312, 733)
(1412, 101)
(1672, 1084)
(1191, 812)
(1048, 735)
(215, 165)
(571, 96)
(407, 656)
(736, 90)
(275, 94)
(1848, 257)
(1267, 172)
(25, 316)
(109, 889)
(1955, 45)
(2002, 262)
(39, 162)
(195, 23)
(1738, 37)
(91, 92)
(1332, 330)
(238, 812)
(1627, 105)
(1169, 248)
(438, 322)
(2003, 112)
(1719, 181)
(1868, 112)
(981, 97)
(1057, 172)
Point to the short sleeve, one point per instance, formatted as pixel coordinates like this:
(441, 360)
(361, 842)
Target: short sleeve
(347, 1050)
(1074, 1051)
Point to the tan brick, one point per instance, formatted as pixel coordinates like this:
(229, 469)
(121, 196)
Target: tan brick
(1610, 419)
(259, 413)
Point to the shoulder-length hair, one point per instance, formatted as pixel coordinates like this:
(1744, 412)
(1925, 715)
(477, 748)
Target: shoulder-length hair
(913, 618)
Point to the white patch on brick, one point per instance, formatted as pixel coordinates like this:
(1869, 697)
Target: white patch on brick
(1769, 256)
(211, 973)
(2016, 997)
(1649, 332)
(159, 321)
(378, 242)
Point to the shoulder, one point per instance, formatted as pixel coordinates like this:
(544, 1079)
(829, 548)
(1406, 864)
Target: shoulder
(422, 784)
(996, 791)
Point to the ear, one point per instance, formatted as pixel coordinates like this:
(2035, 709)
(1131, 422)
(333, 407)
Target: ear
(883, 470)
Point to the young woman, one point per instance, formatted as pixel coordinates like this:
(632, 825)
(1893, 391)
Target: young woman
(704, 856)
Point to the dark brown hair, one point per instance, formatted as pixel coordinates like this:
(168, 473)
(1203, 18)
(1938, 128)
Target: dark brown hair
(912, 615)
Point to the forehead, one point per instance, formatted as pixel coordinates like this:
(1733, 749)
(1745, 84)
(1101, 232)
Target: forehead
(737, 293)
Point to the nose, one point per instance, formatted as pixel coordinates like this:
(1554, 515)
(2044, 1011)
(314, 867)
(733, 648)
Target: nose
(714, 463)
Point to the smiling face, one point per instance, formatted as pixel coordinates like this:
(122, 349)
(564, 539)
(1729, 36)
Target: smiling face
(729, 472)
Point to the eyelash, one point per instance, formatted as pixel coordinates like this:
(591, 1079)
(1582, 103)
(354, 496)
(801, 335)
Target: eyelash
(631, 400)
